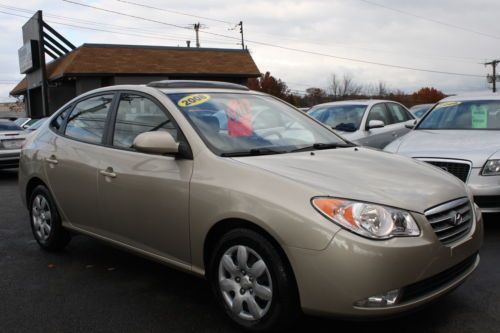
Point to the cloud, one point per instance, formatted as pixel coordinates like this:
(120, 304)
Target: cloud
(344, 28)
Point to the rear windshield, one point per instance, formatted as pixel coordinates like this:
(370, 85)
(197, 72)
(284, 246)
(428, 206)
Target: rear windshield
(466, 115)
(9, 126)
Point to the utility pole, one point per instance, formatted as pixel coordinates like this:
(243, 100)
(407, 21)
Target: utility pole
(197, 29)
(241, 32)
(493, 77)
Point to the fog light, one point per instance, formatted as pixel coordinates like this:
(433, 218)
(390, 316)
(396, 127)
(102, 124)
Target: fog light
(388, 299)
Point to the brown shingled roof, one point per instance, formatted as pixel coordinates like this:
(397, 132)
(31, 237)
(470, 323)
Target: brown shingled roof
(102, 59)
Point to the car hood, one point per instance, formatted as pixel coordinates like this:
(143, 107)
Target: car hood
(365, 174)
(472, 145)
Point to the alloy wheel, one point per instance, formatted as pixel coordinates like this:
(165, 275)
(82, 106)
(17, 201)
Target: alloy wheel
(41, 217)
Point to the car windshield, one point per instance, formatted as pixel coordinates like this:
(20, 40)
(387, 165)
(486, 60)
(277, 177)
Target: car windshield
(340, 117)
(468, 115)
(247, 124)
(37, 124)
(9, 126)
(20, 121)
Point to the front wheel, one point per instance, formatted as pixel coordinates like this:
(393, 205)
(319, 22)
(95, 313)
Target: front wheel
(252, 282)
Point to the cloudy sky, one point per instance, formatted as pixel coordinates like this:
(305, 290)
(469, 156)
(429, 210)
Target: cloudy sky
(454, 36)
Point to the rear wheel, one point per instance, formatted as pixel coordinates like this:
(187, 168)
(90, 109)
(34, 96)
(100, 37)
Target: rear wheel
(252, 282)
(46, 222)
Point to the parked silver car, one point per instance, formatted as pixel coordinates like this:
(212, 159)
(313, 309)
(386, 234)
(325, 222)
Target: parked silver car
(419, 110)
(461, 135)
(373, 123)
(11, 140)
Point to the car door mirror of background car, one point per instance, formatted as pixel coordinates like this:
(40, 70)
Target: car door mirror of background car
(410, 123)
(375, 124)
(156, 143)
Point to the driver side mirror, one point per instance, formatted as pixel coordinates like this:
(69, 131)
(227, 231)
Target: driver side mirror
(156, 143)
(411, 123)
(375, 124)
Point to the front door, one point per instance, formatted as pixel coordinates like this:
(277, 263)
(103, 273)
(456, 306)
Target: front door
(377, 137)
(144, 198)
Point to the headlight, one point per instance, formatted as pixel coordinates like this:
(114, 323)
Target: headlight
(491, 168)
(366, 219)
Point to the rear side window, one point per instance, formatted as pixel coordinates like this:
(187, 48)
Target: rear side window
(138, 114)
(379, 112)
(88, 118)
(399, 114)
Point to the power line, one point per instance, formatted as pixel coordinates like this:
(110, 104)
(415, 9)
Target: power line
(175, 12)
(282, 47)
(430, 19)
(281, 37)
(93, 23)
(109, 31)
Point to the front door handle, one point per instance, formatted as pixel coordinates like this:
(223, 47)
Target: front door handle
(52, 160)
(108, 173)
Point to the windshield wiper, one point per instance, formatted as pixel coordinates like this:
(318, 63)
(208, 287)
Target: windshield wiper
(319, 146)
(253, 152)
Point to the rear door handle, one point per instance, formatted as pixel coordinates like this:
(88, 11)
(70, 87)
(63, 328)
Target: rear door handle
(108, 173)
(52, 160)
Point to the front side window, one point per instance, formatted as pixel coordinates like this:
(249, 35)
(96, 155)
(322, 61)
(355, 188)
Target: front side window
(398, 113)
(379, 112)
(341, 117)
(238, 123)
(467, 115)
(88, 118)
(137, 114)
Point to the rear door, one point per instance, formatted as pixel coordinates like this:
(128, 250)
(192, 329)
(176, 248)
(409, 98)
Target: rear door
(144, 198)
(72, 159)
(377, 137)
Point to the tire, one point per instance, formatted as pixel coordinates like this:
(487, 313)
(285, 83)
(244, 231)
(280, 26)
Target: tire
(235, 285)
(46, 222)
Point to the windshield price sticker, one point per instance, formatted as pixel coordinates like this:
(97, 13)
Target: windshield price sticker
(193, 100)
(446, 105)
(479, 117)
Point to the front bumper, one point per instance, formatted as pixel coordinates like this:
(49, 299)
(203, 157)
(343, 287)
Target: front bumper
(353, 268)
(486, 191)
(9, 158)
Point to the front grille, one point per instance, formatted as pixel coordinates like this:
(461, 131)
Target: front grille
(436, 282)
(488, 201)
(459, 170)
(451, 221)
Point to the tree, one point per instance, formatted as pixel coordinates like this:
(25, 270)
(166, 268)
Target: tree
(270, 85)
(427, 95)
(341, 88)
(315, 96)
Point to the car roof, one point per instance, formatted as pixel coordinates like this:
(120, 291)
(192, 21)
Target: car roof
(355, 101)
(472, 97)
(195, 88)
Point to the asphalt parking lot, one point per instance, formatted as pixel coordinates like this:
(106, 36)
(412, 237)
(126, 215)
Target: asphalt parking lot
(92, 287)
